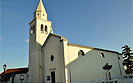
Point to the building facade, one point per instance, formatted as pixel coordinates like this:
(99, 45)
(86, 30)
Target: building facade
(14, 75)
(52, 59)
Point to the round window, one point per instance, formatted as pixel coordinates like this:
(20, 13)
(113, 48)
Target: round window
(52, 57)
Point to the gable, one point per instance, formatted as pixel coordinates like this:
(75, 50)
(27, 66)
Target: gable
(53, 57)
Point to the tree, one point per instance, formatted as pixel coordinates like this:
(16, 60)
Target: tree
(127, 59)
(126, 51)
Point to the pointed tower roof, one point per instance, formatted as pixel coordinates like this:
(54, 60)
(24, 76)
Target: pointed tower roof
(40, 7)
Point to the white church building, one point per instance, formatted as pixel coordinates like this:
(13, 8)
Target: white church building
(52, 59)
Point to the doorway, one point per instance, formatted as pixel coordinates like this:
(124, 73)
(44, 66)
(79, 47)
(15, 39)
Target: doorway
(53, 77)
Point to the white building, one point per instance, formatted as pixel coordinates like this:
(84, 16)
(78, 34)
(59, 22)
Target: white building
(15, 75)
(52, 59)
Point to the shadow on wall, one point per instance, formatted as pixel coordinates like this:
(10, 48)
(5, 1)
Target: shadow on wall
(89, 65)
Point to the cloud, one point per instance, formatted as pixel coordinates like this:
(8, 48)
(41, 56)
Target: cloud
(27, 40)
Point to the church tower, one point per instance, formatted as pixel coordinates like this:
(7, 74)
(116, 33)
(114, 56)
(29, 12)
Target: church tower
(40, 28)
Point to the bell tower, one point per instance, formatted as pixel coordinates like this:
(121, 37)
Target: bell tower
(40, 28)
(40, 11)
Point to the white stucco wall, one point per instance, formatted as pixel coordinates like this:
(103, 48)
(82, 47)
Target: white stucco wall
(36, 40)
(66, 61)
(121, 65)
(78, 68)
(34, 54)
(89, 67)
(17, 78)
(42, 36)
(54, 46)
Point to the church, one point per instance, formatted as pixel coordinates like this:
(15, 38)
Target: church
(52, 59)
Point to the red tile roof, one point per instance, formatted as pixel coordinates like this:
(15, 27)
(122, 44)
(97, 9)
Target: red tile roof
(16, 70)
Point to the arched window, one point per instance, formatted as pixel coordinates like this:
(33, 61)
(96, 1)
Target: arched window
(81, 53)
(46, 29)
(102, 55)
(42, 28)
(119, 58)
(31, 30)
(52, 57)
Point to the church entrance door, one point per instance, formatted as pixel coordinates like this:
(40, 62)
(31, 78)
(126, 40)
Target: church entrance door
(53, 77)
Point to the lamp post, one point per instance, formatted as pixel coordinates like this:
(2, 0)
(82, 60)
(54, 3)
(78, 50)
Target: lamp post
(21, 78)
(4, 67)
(107, 67)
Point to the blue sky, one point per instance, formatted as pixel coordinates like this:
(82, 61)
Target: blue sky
(103, 24)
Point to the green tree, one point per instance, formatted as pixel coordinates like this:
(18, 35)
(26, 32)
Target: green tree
(127, 59)
(126, 51)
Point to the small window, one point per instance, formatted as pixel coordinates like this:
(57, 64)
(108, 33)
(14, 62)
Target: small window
(119, 58)
(34, 26)
(81, 53)
(46, 29)
(102, 55)
(52, 57)
(42, 27)
(48, 78)
(31, 30)
(34, 15)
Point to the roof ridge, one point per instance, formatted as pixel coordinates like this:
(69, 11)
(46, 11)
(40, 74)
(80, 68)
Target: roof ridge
(71, 44)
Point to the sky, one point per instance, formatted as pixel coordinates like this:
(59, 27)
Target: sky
(105, 24)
